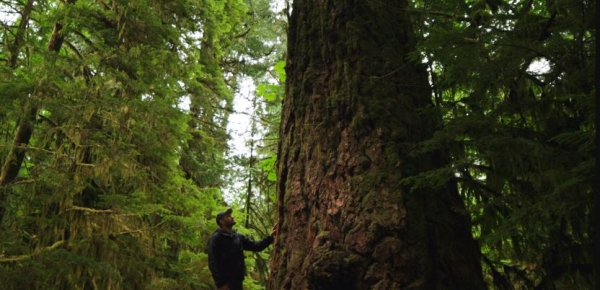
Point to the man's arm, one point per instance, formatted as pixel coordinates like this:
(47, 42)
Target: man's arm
(250, 245)
(213, 263)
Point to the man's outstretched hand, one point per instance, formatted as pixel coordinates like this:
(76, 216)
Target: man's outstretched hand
(274, 231)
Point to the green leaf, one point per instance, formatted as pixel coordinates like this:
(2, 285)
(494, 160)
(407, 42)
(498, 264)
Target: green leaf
(280, 69)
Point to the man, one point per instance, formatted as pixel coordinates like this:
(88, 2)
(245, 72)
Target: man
(226, 252)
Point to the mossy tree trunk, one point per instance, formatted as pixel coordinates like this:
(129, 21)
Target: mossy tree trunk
(354, 105)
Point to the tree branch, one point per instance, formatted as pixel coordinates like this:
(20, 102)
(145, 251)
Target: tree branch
(36, 252)
(90, 210)
(443, 14)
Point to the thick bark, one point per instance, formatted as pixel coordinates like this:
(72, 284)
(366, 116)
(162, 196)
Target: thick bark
(353, 105)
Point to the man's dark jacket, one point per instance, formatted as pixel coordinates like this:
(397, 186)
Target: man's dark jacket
(226, 255)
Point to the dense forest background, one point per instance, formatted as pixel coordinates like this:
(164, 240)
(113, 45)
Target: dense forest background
(114, 148)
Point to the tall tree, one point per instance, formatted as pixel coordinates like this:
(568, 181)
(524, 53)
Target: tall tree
(251, 173)
(515, 81)
(355, 106)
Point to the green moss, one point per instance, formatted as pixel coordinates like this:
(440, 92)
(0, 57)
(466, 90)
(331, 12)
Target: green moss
(323, 235)
(335, 268)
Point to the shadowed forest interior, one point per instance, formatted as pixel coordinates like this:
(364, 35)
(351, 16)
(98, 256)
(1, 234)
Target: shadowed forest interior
(405, 144)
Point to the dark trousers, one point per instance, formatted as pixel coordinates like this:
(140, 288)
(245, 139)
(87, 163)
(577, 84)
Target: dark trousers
(235, 285)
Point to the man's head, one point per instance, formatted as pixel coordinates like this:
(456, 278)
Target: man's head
(225, 219)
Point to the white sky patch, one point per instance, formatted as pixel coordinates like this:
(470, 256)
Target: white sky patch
(184, 103)
(240, 121)
(539, 67)
(7, 15)
(279, 5)
(239, 128)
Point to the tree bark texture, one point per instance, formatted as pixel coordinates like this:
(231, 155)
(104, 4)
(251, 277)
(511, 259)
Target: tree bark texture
(353, 105)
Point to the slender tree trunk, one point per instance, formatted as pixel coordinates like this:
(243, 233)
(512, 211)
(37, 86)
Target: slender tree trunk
(16, 155)
(249, 188)
(354, 105)
(15, 48)
(13, 161)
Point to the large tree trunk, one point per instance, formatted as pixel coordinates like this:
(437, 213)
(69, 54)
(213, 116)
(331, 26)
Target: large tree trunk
(354, 104)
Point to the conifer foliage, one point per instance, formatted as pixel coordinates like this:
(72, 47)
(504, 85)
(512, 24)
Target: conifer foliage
(106, 183)
(515, 82)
